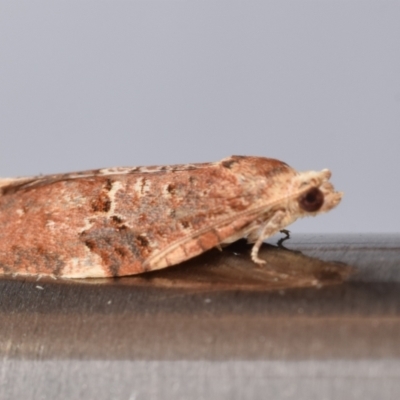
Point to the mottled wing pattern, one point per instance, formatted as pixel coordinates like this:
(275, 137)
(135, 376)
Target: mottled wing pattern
(124, 221)
(12, 185)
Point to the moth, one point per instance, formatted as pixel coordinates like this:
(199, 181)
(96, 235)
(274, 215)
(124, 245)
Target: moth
(126, 221)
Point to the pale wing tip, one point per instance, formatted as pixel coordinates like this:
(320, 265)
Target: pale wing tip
(6, 181)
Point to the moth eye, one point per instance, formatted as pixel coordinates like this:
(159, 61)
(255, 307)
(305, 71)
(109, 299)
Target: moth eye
(312, 200)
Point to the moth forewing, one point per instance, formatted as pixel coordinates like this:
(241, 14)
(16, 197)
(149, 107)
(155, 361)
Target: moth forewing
(125, 221)
(222, 231)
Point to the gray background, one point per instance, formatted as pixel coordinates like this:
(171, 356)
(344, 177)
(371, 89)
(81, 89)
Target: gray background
(88, 84)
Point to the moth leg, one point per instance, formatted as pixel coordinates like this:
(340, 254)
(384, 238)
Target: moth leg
(268, 230)
(281, 240)
(285, 232)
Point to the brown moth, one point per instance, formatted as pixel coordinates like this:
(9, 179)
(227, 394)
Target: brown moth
(125, 221)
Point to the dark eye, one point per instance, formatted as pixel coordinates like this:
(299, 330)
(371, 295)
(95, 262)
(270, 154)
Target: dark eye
(312, 200)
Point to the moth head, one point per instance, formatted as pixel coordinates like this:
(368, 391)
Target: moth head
(313, 193)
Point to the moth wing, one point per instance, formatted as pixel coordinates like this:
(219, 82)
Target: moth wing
(12, 185)
(189, 246)
(135, 219)
(8, 183)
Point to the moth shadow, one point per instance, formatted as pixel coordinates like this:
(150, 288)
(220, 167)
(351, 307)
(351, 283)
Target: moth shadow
(233, 269)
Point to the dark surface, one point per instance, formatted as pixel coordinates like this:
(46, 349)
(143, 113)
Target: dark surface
(319, 320)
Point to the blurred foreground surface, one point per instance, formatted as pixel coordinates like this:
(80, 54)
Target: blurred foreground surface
(320, 320)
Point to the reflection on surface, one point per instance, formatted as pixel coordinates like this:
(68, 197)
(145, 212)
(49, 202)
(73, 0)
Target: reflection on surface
(233, 269)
